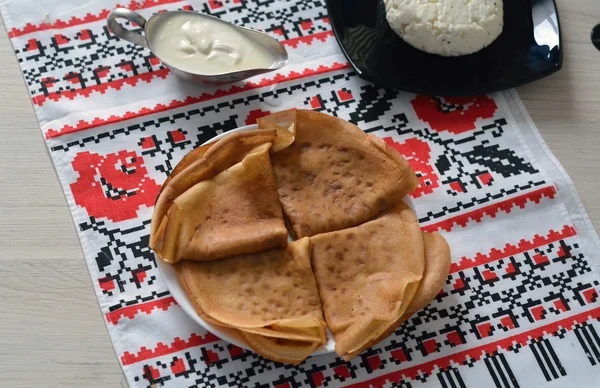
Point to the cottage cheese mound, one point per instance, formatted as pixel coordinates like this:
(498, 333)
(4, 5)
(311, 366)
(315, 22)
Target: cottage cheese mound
(446, 27)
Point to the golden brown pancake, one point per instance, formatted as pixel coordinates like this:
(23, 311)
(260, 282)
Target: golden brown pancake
(437, 267)
(271, 297)
(285, 124)
(280, 350)
(367, 277)
(204, 163)
(220, 200)
(333, 175)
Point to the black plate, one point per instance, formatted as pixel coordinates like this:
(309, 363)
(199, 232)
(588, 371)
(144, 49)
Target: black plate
(528, 49)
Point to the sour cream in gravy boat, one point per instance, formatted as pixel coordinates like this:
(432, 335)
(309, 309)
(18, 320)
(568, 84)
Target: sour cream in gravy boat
(202, 48)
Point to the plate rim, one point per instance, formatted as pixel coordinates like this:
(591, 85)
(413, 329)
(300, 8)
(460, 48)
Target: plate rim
(230, 335)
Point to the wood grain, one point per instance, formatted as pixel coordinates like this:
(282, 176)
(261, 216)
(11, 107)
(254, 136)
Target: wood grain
(566, 106)
(52, 332)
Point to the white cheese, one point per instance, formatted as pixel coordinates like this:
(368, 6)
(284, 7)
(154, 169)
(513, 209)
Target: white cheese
(446, 27)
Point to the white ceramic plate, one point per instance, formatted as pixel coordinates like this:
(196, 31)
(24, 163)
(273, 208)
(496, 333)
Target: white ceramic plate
(230, 335)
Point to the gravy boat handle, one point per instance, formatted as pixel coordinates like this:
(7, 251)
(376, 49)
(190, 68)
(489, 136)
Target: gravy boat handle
(123, 33)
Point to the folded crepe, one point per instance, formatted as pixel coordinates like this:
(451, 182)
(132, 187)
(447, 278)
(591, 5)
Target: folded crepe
(368, 276)
(279, 349)
(221, 200)
(333, 175)
(271, 297)
(437, 268)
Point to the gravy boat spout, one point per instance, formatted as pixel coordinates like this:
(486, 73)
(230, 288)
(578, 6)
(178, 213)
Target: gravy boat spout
(228, 52)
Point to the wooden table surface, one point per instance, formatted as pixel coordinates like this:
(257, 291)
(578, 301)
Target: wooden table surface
(51, 331)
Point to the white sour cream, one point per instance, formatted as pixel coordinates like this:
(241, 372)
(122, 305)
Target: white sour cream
(204, 46)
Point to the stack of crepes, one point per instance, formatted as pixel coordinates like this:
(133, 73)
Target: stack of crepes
(360, 265)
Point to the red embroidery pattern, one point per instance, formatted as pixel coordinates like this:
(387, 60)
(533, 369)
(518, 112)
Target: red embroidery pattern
(114, 186)
(477, 353)
(453, 114)
(510, 249)
(83, 125)
(89, 18)
(418, 154)
(147, 307)
(491, 210)
(161, 349)
(162, 73)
